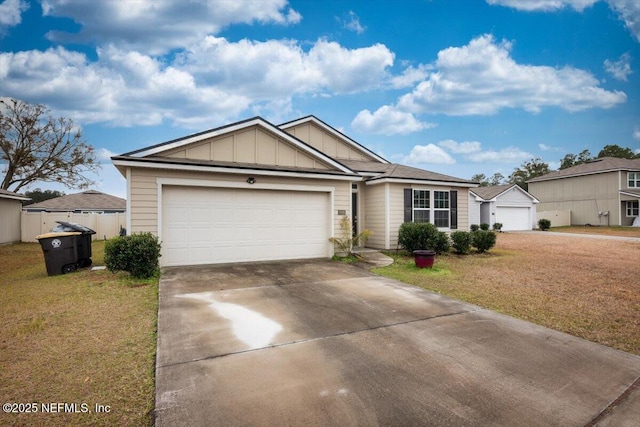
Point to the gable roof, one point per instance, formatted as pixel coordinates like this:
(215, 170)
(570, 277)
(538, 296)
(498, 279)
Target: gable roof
(244, 124)
(336, 133)
(602, 165)
(491, 192)
(6, 194)
(90, 200)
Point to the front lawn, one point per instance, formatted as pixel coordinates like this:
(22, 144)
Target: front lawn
(82, 338)
(586, 287)
(604, 231)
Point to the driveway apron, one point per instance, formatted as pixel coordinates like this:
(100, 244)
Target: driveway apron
(325, 343)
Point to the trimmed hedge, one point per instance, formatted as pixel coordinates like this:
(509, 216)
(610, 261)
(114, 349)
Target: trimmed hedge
(461, 242)
(544, 224)
(483, 240)
(137, 253)
(422, 235)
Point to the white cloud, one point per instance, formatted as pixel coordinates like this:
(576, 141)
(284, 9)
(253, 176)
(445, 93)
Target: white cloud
(410, 76)
(481, 78)
(388, 121)
(619, 69)
(545, 147)
(212, 82)
(636, 134)
(506, 155)
(155, 27)
(430, 153)
(11, 13)
(627, 10)
(544, 5)
(104, 155)
(352, 23)
(466, 147)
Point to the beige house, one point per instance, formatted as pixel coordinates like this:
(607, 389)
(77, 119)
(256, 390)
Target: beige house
(253, 191)
(604, 191)
(10, 216)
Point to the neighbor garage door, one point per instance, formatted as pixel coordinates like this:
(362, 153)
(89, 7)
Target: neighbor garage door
(513, 218)
(217, 225)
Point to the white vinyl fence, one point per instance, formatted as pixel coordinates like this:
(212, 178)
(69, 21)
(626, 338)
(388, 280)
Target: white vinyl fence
(106, 225)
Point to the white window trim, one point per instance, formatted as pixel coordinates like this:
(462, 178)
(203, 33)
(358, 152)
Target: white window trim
(636, 179)
(629, 208)
(432, 209)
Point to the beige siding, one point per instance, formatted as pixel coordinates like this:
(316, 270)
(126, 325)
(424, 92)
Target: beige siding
(374, 217)
(10, 220)
(144, 193)
(253, 145)
(327, 143)
(584, 196)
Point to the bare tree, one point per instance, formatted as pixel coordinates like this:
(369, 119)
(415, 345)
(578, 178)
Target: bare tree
(36, 147)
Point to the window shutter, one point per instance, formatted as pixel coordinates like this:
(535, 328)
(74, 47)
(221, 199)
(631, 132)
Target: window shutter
(453, 204)
(408, 204)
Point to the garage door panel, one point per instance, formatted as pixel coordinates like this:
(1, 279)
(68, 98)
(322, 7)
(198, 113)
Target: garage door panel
(514, 218)
(216, 225)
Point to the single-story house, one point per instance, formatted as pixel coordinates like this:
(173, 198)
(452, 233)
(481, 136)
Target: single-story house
(90, 201)
(603, 191)
(10, 216)
(506, 204)
(253, 191)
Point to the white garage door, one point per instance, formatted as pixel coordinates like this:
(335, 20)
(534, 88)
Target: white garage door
(218, 225)
(513, 218)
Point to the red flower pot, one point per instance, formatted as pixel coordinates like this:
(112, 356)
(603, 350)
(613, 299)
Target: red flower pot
(424, 259)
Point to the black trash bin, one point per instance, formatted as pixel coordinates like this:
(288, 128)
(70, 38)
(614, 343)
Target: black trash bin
(84, 240)
(60, 251)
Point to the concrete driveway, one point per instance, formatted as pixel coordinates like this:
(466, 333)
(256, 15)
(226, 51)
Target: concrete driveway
(324, 343)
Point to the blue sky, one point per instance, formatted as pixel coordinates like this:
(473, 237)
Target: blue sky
(457, 87)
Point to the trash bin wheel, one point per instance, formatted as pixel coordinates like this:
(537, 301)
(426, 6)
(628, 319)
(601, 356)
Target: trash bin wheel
(69, 268)
(85, 262)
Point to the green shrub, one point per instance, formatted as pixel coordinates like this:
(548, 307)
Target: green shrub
(497, 226)
(474, 227)
(484, 226)
(137, 253)
(483, 240)
(544, 224)
(422, 235)
(461, 242)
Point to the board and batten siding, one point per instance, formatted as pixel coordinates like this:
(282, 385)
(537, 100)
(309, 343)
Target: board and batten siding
(253, 145)
(584, 196)
(325, 142)
(144, 193)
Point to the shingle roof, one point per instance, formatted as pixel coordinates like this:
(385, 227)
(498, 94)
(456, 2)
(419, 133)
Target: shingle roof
(489, 192)
(365, 165)
(90, 200)
(6, 194)
(605, 164)
(399, 171)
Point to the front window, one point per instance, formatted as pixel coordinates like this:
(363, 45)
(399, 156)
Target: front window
(634, 180)
(421, 205)
(632, 208)
(441, 206)
(424, 210)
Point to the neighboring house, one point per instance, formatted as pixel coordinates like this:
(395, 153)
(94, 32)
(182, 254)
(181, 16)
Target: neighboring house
(90, 201)
(604, 191)
(253, 191)
(10, 215)
(507, 204)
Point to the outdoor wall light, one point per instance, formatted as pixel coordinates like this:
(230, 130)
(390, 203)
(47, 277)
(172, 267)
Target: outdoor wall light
(251, 180)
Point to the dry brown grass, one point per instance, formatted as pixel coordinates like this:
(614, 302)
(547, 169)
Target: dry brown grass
(586, 287)
(86, 337)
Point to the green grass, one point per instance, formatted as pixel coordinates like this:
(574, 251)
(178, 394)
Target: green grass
(85, 337)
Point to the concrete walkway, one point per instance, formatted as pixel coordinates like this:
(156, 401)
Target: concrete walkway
(373, 257)
(321, 343)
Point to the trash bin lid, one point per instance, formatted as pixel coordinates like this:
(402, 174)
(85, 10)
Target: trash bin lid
(77, 227)
(58, 234)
